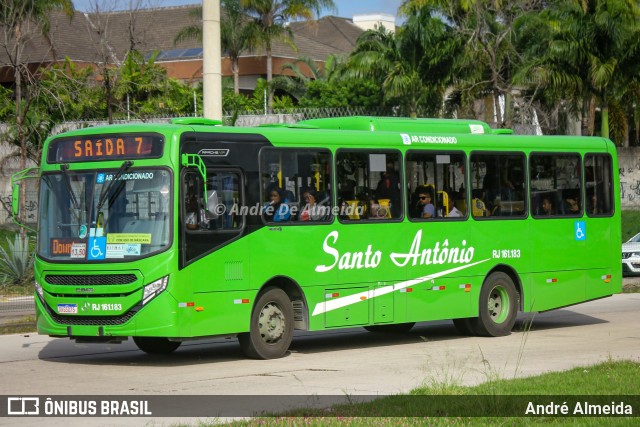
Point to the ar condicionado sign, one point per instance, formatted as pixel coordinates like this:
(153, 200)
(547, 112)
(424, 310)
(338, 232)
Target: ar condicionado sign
(105, 147)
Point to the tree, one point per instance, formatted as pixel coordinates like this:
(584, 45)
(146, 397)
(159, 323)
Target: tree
(584, 55)
(21, 21)
(408, 63)
(489, 59)
(296, 85)
(271, 18)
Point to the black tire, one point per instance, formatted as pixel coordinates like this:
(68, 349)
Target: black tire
(464, 326)
(271, 326)
(498, 306)
(396, 328)
(153, 345)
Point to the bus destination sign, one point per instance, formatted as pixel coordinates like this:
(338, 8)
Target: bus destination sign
(105, 147)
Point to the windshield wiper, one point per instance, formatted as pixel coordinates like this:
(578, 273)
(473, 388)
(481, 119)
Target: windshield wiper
(67, 182)
(105, 190)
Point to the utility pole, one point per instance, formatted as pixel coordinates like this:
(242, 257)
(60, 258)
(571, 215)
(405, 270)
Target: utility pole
(211, 60)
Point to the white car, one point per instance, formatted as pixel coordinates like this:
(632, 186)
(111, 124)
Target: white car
(631, 256)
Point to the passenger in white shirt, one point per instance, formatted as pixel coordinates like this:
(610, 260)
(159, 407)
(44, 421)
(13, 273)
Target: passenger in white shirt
(453, 211)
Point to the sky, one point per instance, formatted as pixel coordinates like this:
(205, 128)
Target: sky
(346, 8)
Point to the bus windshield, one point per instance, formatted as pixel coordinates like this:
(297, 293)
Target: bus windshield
(106, 215)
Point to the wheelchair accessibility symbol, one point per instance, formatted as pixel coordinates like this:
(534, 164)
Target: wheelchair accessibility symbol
(580, 230)
(97, 248)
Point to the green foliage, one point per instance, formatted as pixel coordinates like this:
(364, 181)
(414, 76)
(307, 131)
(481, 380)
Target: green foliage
(348, 92)
(16, 260)
(67, 93)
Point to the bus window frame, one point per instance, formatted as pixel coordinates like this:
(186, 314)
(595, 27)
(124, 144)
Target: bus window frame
(466, 183)
(296, 222)
(582, 186)
(170, 213)
(402, 188)
(525, 184)
(241, 202)
(611, 182)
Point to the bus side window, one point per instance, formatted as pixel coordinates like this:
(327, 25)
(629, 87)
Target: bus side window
(497, 180)
(296, 185)
(598, 184)
(368, 184)
(556, 184)
(441, 177)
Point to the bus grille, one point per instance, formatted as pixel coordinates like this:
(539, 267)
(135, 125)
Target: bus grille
(90, 280)
(93, 320)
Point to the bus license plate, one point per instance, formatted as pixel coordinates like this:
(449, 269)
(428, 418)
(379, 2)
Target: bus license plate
(67, 308)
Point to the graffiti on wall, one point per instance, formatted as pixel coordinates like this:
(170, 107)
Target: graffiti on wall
(629, 169)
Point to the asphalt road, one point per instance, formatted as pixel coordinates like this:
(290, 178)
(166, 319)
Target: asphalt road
(349, 361)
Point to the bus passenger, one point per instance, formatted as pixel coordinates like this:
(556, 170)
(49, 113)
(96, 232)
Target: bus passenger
(425, 207)
(389, 188)
(453, 211)
(573, 205)
(312, 210)
(547, 206)
(276, 209)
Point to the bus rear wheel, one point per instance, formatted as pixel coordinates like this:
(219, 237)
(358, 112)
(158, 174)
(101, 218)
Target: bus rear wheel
(498, 308)
(396, 328)
(153, 345)
(271, 326)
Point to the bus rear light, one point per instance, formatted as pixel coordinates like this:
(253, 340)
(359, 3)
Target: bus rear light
(466, 287)
(438, 288)
(606, 278)
(153, 289)
(241, 301)
(333, 295)
(554, 280)
(186, 304)
(406, 290)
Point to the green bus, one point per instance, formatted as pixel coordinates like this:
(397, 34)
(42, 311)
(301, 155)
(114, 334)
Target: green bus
(190, 229)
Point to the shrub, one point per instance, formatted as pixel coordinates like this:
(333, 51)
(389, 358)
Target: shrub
(16, 260)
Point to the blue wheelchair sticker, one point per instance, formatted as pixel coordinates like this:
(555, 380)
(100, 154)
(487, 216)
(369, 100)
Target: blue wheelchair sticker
(580, 230)
(100, 178)
(97, 248)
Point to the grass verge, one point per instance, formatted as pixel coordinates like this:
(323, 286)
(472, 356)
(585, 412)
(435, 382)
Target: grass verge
(611, 378)
(18, 325)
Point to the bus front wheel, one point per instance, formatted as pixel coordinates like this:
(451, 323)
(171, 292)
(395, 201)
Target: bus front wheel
(271, 326)
(498, 308)
(153, 345)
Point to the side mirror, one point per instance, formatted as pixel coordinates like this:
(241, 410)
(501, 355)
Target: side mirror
(17, 180)
(15, 200)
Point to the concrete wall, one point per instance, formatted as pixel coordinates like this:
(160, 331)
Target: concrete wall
(629, 168)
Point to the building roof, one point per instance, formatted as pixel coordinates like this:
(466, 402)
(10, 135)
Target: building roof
(108, 36)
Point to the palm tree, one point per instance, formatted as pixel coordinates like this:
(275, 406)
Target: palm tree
(271, 17)
(490, 58)
(585, 51)
(236, 35)
(408, 63)
(305, 70)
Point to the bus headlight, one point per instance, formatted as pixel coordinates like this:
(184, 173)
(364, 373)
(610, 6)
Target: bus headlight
(39, 290)
(154, 288)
